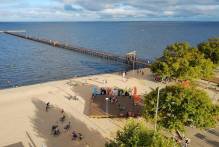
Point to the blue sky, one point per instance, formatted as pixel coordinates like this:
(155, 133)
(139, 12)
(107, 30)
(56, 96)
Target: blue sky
(109, 10)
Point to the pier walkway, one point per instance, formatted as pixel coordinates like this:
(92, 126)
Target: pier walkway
(130, 60)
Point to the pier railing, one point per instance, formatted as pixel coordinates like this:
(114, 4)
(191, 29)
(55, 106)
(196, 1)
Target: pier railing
(137, 62)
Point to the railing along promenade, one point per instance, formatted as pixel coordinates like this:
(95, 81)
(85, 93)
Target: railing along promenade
(137, 63)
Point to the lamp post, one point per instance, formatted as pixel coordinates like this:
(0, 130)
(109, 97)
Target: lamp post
(107, 109)
(133, 61)
(158, 96)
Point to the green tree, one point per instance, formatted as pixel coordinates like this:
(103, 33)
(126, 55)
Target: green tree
(182, 62)
(210, 49)
(136, 134)
(179, 106)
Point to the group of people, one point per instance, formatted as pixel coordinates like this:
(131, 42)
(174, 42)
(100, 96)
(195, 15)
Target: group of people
(159, 78)
(139, 71)
(76, 136)
(113, 97)
(55, 129)
(111, 91)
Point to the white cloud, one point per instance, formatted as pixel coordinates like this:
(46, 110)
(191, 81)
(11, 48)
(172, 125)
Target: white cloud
(108, 10)
(168, 13)
(123, 11)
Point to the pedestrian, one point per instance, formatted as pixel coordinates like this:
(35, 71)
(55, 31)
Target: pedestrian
(56, 131)
(80, 137)
(74, 135)
(123, 76)
(67, 127)
(47, 106)
(62, 119)
(53, 128)
(94, 92)
(187, 141)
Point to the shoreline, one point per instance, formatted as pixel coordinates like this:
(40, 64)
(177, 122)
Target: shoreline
(216, 76)
(67, 78)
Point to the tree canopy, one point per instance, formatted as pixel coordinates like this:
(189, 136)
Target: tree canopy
(181, 61)
(210, 49)
(180, 106)
(136, 134)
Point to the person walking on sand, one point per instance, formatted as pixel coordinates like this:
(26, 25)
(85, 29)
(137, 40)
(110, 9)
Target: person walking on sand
(53, 128)
(56, 131)
(123, 76)
(74, 135)
(62, 118)
(67, 127)
(47, 106)
(80, 137)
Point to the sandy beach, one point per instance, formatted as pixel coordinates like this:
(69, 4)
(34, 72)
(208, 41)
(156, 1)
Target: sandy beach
(24, 121)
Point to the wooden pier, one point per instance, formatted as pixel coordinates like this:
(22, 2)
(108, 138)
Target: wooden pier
(133, 61)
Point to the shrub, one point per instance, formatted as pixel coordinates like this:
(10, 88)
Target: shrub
(183, 62)
(210, 49)
(180, 106)
(136, 134)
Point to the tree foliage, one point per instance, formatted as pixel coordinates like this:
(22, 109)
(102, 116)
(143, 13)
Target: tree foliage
(182, 62)
(136, 134)
(210, 49)
(179, 106)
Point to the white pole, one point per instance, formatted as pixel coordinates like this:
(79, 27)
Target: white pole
(107, 99)
(158, 95)
(134, 61)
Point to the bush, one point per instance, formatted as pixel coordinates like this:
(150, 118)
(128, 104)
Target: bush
(183, 62)
(210, 49)
(179, 106)
(135, 134)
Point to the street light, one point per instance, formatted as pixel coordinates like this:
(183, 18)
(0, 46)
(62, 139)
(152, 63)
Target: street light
(134, 56)
(107, 109)
(158, 96)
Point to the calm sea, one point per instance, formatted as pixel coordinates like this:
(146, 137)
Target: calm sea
(24, 62)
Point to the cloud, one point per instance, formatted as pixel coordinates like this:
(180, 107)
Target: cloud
(72, 10)
(68, 7)
(168, 13)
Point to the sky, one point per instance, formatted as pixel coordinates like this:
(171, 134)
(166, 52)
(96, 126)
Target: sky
(109, 10)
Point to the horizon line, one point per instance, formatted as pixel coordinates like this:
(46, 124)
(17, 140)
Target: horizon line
(117, 21)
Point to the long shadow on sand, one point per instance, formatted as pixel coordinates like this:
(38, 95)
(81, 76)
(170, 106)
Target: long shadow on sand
(43, 121)
(83, 90)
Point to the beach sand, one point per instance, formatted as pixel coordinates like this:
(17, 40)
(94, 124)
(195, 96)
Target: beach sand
(24, 120)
